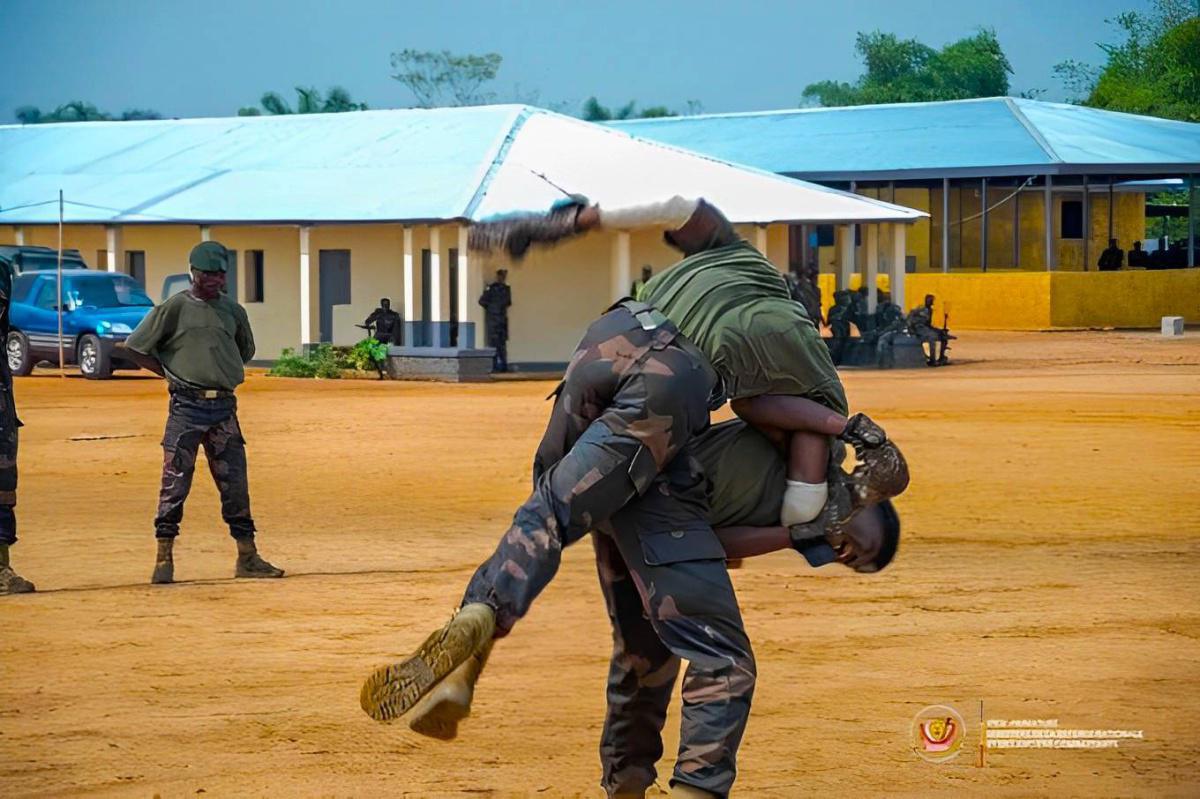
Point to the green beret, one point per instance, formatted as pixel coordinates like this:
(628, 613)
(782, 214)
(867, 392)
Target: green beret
(209, 256)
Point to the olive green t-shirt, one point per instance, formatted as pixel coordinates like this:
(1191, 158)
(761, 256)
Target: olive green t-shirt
(202, 344)
(734, 305)
(746, 475)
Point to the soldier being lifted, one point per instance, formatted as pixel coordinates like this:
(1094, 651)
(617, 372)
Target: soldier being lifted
(199, 340)
(496, 299)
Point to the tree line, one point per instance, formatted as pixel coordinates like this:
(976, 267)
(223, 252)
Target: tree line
(1153, 69)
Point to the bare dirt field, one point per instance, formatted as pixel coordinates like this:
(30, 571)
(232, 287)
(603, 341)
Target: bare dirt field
(1049, 568)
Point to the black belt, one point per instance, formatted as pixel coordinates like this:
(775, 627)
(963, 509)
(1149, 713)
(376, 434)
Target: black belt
(200, 393)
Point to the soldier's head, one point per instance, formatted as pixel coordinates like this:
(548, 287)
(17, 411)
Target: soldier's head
(928, 300)
(209, 262)
(385, 304)
(501, 275)
(884, 297)
(867, 544)
(1137, 245)
(647, 272)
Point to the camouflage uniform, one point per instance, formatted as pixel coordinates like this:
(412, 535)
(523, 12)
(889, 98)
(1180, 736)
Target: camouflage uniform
(633, 395)
(663, 575)
(192, 421)
(8, 423)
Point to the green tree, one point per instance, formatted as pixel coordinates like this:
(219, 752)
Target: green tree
(594, 111)
(906, 71)
(309, 100)
(1154, 69)
(441, 78)
(78, 111)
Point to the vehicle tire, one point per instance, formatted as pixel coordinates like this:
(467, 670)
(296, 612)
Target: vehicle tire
(94, 364)
(16, 349)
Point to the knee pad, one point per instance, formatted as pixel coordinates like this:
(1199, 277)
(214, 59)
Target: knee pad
(802, 502)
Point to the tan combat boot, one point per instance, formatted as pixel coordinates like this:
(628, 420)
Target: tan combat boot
(250, 563)
(10, 581)
(164, 563)
(682, 791)
(391, 691)
(438, 714)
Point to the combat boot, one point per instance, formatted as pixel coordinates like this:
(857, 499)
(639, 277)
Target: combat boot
(863, 433)
(391, 691)
(250, 563)
(164, 563)
(10, 581)
(438, 714)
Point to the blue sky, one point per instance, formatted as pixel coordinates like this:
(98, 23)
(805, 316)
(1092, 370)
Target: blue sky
(185, 58)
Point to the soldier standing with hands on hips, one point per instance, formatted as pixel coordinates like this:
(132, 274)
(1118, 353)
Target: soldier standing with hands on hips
(200, 340)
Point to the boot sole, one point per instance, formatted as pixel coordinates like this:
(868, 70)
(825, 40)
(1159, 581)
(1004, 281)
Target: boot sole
(440, 720)
(26, 588)
(258, 575)
(392, 691)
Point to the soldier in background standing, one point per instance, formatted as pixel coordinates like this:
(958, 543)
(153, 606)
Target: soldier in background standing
(496, 299)
(200, 340)
(10, 581)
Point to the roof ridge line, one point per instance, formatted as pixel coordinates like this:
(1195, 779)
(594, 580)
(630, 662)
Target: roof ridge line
(1032, 130)
(485, 181)
(787, 111)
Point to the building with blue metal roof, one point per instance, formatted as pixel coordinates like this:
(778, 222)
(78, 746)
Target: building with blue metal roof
(330, 212)
(1010, 185)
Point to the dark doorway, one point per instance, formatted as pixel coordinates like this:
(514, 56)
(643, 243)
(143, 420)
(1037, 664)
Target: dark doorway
(334, 287)
(453, 297)
(231, 276)
(135, 266)
(423, 332)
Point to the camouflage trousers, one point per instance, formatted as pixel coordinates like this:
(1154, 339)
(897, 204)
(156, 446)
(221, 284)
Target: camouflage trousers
(213, 423)
(614, 458)
(633, 395)
(9, 423)
(668, 594)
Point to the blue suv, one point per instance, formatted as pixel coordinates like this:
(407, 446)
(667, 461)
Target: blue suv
(100, 310)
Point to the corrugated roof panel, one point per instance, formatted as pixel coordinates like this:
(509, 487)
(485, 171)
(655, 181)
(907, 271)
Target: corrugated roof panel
(990, 133)
(415, 165)
(553, 155)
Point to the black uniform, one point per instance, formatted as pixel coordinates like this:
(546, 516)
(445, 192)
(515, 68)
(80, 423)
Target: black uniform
(8, 423)
(496, 299)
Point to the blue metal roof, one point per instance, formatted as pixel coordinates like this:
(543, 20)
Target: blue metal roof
(990, 136)
(411, 165)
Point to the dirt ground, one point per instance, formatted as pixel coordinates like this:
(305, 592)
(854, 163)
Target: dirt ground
(1049, 569)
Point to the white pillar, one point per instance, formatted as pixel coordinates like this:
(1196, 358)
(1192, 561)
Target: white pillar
(205, 233)
(435, 286)
(112, 245)
(899, 230)
(465, 286)
(760, 240)
(622, 277)
(306, 336)
(19, 235)
(845, 254)
(872, 270)
(1048, 222)
(409, 311)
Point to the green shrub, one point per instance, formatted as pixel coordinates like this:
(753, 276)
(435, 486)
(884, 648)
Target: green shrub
(328, 361)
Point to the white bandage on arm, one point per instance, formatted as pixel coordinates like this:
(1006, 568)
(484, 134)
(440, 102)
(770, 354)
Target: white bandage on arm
(802, 502)
(671, 214)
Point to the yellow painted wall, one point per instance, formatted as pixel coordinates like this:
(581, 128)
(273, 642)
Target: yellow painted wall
(557, 293)
(1124, 299)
